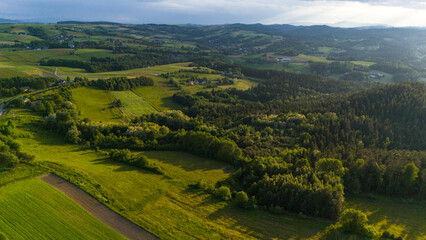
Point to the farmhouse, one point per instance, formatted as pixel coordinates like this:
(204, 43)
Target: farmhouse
(376, 75)
(283, 59)
(24, 99)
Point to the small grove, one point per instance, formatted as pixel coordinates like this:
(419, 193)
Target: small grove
(10, 154)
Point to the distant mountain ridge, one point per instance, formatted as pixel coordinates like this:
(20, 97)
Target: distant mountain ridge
(88, 22)
(4, 20)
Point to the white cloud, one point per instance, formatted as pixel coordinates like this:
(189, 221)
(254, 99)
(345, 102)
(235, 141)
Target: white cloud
(331, 12)
(351, 13)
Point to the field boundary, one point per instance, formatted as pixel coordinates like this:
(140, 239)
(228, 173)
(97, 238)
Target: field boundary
(106, 215)
(140, 95)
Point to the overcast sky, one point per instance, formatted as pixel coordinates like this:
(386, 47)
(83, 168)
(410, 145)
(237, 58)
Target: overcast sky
(341, 13)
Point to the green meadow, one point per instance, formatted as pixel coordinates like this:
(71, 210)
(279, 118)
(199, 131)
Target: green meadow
(160, 95)
(133, 104)
(31, 209)
(17, 37)
(95, 104)
(400, 217)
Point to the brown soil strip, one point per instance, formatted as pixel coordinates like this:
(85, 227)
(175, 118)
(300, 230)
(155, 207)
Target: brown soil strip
(114, 220)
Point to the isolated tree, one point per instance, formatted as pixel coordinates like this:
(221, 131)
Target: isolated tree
(408, 177)
(242, 200)
(223, 193)
(73, 135)
(355, 221)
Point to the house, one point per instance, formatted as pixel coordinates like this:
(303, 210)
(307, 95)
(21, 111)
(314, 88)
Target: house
(283, 59)
(24, 99)
(61, 82)
(190, 83)
(377, 75)
(26, 89)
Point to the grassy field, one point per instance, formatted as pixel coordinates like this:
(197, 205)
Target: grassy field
(400, 217)
(7, 73)
(298, 68)
(17, 37)
(133, 104)
(32, 57)
(159, 95)
(164, 204)
(95, 105)
(86, 54)
(31, 209)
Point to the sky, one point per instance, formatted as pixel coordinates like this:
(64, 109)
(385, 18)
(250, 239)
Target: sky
(340, 13)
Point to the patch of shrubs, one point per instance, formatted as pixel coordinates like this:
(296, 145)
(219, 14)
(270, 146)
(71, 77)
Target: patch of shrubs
(141, 161)
(241, 198)
(223, 192)
(10, 153)
(351, 222)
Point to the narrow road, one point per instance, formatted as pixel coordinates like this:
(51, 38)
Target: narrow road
(57, 76)
(114, 220)
(1, 109)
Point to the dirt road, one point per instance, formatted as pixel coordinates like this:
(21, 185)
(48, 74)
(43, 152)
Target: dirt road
(97, 209)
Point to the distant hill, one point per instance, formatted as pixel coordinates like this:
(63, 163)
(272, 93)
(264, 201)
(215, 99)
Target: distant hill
(88, 22)
(3, 20)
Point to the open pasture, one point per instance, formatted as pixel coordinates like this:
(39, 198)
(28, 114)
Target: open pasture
(31, 209)
(132, 104)
(400, 217)
(95, 104)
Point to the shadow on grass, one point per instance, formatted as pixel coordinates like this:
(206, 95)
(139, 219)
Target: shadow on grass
(188, 162)
(258, 223)
(399, 216)
(123, 167)
(168, 103)
(45, 137)
(183, 160)
(263, 225)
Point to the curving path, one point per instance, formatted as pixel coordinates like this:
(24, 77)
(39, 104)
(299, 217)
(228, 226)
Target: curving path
(114, 220)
